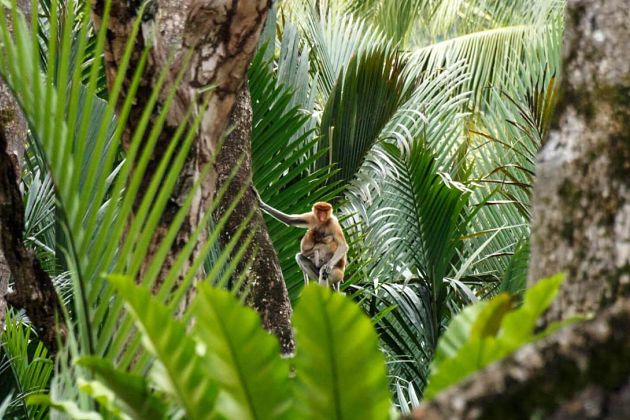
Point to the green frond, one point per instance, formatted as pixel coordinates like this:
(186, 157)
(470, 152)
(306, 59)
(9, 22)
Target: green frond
(179, 369)
(28, 363)
(334, 341)
(244, 359)
(335, 38)
(362, 101)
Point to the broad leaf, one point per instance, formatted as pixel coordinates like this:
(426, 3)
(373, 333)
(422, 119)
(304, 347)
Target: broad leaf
(487, 332)
(244, 359)
(340, 371)
(133, 391)
(185, 373)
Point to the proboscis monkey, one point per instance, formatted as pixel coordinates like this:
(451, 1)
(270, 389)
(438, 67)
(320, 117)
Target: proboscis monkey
(323, 249)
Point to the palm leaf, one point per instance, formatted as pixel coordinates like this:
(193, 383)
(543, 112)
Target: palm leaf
(29, 363)
(95, 197)
(335, 38)
(180, 371)
(362, 101)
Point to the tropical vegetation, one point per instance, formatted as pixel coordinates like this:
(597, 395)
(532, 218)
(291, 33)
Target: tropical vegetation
(419, 120)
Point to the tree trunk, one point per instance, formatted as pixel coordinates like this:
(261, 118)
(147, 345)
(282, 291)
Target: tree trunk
(220, 37)
(582, 194)
(13, 125)
(265, 283)
(581, 226)
(34, 290)
(573, 373)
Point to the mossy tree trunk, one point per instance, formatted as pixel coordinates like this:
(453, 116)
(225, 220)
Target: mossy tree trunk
(581, 226)
(582, 194)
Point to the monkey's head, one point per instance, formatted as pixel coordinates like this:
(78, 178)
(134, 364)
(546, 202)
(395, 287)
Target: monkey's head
(322, 211)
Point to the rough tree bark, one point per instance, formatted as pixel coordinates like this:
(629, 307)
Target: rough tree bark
(582, 195)
(268, 293)
(34, 290)
(13, 124)
(581, 226)
(220, 37)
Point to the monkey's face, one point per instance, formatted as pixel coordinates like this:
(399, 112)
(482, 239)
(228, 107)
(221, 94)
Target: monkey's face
(322, 215)
(322, 211)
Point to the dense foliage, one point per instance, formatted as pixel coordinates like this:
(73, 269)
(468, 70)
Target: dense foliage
(419, 120)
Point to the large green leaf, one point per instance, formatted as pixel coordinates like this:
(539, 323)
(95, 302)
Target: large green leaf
(244, 359)
(487, 332)
(340, 372)
(181, 370)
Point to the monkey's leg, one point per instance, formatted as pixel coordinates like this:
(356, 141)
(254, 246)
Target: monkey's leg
(336, 277)
(316, 257)
(309, 270)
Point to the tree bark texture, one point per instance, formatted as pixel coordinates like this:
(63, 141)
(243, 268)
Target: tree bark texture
(13, 124)
(267, 290)
(581, 226)
(582, 194)
(221, 38)
(34, 290)
(211, 43)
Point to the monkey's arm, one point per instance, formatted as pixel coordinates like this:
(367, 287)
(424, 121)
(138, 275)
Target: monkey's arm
(298, 220)
(339, 253)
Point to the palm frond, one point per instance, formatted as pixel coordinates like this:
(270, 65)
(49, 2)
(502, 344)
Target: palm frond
(362, 101)
(284, 163)
(493, 56)
(335, 38)
(29, 364)
(459, 17)
(104, 232)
